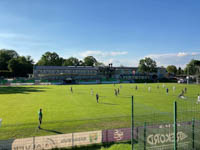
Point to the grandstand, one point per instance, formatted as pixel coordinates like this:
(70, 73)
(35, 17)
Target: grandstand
(74, 74)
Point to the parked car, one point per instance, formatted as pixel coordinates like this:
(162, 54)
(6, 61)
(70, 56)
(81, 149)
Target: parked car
(182, 81)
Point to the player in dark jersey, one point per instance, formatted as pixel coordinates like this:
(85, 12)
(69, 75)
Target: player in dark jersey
(97, 98)
(40, 118)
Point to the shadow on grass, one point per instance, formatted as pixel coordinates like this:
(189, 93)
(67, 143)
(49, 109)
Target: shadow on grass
(53, 131)
(125, 96)
(108, 103)
(103, 96)
(21, 90)
(95, 146)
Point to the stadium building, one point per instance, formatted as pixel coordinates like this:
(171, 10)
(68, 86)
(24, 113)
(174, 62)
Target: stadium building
(75, 74)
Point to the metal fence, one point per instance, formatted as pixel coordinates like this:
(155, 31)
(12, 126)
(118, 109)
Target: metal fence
(161, 136)
(179, 130)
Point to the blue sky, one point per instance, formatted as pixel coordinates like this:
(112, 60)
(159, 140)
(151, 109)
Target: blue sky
(117, 31)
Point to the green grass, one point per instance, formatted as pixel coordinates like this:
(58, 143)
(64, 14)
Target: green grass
(108, 146)
(119, 147)
(66, 112)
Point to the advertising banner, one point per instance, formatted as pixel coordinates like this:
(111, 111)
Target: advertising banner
(116, 135)
(86, 138)
(38, 143)
(54, 141)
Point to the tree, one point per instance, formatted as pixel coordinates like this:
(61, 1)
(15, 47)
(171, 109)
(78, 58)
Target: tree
(81, 63)
(50, 59)
(26, 64)
(5, 57)
(192, 67)
(90, 61)
(172, 69)
(15, 67)
(100, 64)
(147, 65)
(180, 71)
(72, 61)
(21, 66)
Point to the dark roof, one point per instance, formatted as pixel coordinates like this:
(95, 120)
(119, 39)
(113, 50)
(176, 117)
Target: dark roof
(125, 67)
(80, 67)
(64, 67)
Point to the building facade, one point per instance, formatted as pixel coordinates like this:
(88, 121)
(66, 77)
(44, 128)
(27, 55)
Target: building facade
(93, 73)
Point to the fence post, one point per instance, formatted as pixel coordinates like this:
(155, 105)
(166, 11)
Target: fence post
(132, 125)
(175, 125)
(72, 139)
(145, 135)
(33, 142)
(193, 121)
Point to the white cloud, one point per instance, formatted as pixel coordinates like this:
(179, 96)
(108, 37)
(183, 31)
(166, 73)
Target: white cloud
(89, 53)
(114, 57)
(118, 53)
(178, 59)
(182, 54)
(102, 53)
(13, 36)
(195, 53)
(122, 61)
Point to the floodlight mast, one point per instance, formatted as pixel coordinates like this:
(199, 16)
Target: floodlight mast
(187, 79)
(188, 75)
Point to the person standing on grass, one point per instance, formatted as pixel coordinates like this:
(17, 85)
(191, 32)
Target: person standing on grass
(136, 87)
(163, 85)
(115, 92)
(71, 90)
(40, 118)
(198, 99)
(167, 90)
(174, 88)
(118, 91)
(149, 89)
(185, 90)
(97, 98)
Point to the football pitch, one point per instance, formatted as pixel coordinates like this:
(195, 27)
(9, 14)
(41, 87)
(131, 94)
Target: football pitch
(66, 112)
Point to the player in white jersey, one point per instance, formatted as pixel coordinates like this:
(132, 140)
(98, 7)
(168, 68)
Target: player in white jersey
(174, 88)
(163, 85)
(198, 99)
(149, 89)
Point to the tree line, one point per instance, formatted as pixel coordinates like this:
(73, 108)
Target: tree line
(192, 68)
(14, 65)
(53, 59)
